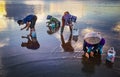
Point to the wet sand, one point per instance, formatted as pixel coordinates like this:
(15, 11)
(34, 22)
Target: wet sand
(51, 59)
(59, 64)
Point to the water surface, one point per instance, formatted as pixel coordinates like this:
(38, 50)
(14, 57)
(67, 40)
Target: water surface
(101, 16)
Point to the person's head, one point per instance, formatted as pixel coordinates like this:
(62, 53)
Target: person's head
(49, 17)
(66, 12)
(20, 22)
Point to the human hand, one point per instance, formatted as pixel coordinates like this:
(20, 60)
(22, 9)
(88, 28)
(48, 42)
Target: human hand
(27, 29)
(21, 29)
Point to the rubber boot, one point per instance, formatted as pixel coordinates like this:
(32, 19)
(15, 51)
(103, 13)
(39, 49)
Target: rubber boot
(100, 49)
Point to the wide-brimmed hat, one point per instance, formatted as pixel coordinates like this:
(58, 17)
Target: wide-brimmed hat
(92, 37)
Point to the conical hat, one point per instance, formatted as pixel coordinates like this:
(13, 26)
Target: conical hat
(92, 38)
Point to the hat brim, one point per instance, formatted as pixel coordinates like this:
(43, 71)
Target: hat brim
(92, 40)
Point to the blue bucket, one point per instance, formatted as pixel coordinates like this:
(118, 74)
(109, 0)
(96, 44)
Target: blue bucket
(74, 18)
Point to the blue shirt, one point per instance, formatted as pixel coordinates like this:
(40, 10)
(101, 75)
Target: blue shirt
(28, 18)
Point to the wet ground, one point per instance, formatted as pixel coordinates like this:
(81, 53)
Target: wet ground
(52, 58)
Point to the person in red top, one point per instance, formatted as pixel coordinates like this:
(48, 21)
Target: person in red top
(67, 19)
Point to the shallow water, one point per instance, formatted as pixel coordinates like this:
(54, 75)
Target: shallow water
(101, 16)
(92, 16)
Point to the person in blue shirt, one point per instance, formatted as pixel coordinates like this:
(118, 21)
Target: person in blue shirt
(30, 21)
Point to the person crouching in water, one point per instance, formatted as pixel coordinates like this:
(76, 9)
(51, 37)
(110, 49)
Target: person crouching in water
(53, 23)
(67, 19)
(30, 22)
(92, 49)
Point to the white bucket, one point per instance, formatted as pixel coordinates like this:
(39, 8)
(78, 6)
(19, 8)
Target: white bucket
(111, 55)
(75, 30)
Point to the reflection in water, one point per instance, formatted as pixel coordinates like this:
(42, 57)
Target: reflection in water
(67, 45)
(89, 64)
(95, 15)
(86, 30)
(76, 8)
(109, 64)
(3, 24)
(117, 27)
(32, 42)
(75, 38)
(3, 13)
(2, 8)
(4, 42)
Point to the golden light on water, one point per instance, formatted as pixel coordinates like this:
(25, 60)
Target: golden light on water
(86, 30)
(2, 9)
(4, 42)
(3, 23)
(74, 8)
(117, 27)
(32, 2)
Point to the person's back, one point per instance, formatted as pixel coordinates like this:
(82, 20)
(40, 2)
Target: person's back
(67, 19)
(53, 19)
(28, 18)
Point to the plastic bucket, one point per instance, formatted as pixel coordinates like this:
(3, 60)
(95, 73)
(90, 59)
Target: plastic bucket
(111, 55)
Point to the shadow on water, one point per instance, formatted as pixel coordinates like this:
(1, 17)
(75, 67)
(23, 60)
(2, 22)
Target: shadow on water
(32, 42)
(89, 64)
(108, 64)
(75, 38)
(100, 17)
(67, 45)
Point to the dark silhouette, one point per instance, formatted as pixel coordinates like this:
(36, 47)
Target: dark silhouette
(32, 42)
(67, 45)
(75, 38)
(89, 64)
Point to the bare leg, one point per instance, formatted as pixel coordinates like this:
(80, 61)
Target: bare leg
(62, 29)
(70, 26)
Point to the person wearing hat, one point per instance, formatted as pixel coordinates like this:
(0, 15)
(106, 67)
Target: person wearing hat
(53, 23)
(93, 43)
(30, 21)
(67, 19)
